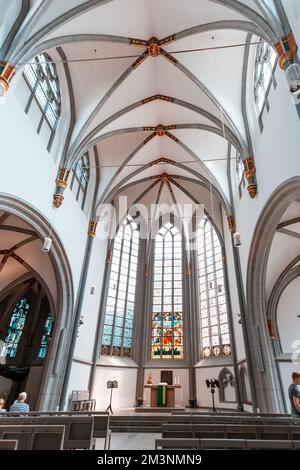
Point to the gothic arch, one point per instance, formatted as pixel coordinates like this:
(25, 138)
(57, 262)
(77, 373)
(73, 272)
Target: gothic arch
(266, 375)
(54, 367)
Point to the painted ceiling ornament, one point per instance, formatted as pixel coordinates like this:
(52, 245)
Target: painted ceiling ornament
(165, 178)
(153, 47)
(160, 130)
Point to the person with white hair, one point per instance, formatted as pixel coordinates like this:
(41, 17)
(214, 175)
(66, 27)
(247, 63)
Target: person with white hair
(19, 405)
(2, 409)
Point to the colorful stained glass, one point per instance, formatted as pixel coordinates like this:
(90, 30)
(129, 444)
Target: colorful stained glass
(45, 338)
(167, 324)
(213, 305)
(15, 329)
(119, 314)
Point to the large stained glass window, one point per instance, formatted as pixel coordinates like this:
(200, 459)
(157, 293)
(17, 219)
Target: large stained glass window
(119, 314)
(213, 306)
(15, 329)
(167, 331)
(46, 335)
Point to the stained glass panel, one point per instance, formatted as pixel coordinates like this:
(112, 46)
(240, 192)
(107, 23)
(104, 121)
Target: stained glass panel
(15, 329)
(167, 328)
(119, 315)
(213, 306)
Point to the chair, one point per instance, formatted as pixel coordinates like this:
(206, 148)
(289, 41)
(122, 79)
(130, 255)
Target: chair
(217, 444)
(101, 429)
(8, 445)
(176, 443)
(266, 445)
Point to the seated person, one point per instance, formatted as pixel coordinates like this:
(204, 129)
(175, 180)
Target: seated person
(19, 406)
(2, 409)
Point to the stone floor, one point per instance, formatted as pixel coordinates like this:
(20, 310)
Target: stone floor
(130, 441)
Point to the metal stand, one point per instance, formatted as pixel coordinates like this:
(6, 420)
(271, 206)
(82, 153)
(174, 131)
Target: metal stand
(111, 384)
(109, 408)
(213, 399)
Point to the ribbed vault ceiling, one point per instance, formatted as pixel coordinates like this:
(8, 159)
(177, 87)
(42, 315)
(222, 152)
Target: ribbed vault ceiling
(118, 103)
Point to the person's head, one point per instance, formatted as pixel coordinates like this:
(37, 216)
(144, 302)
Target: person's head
(22, 396)
(296, 377)
(1, 403)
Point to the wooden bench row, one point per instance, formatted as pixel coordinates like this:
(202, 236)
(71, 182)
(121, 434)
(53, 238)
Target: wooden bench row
(221, 444)
(80, 431)
(228, 431)
(35, 437)
(206, 419)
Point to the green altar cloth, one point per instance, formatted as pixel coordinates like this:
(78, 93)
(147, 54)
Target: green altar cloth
(162, 395)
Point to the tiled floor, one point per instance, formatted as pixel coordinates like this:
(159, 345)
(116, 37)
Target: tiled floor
(130, 441)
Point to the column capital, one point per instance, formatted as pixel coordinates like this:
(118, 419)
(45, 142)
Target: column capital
(286, 48)
(231, 223)
(6, 73)
(61, 185)
(109, 256)
(92, 229)
(250, 172)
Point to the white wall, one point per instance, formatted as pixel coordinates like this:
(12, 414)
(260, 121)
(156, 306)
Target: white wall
(124, 396)
(182, 377)
(87, 331)
(79, 379)
(287, 316)
(275, 152)
(30, 175)
(204, 396)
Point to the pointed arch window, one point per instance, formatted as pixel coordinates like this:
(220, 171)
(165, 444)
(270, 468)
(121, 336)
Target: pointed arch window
(16, 326)
(42, 78)
(167, 323)
(214, 335)
(265, 62)
(120, 304)
(80, 179)
(46, 336)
